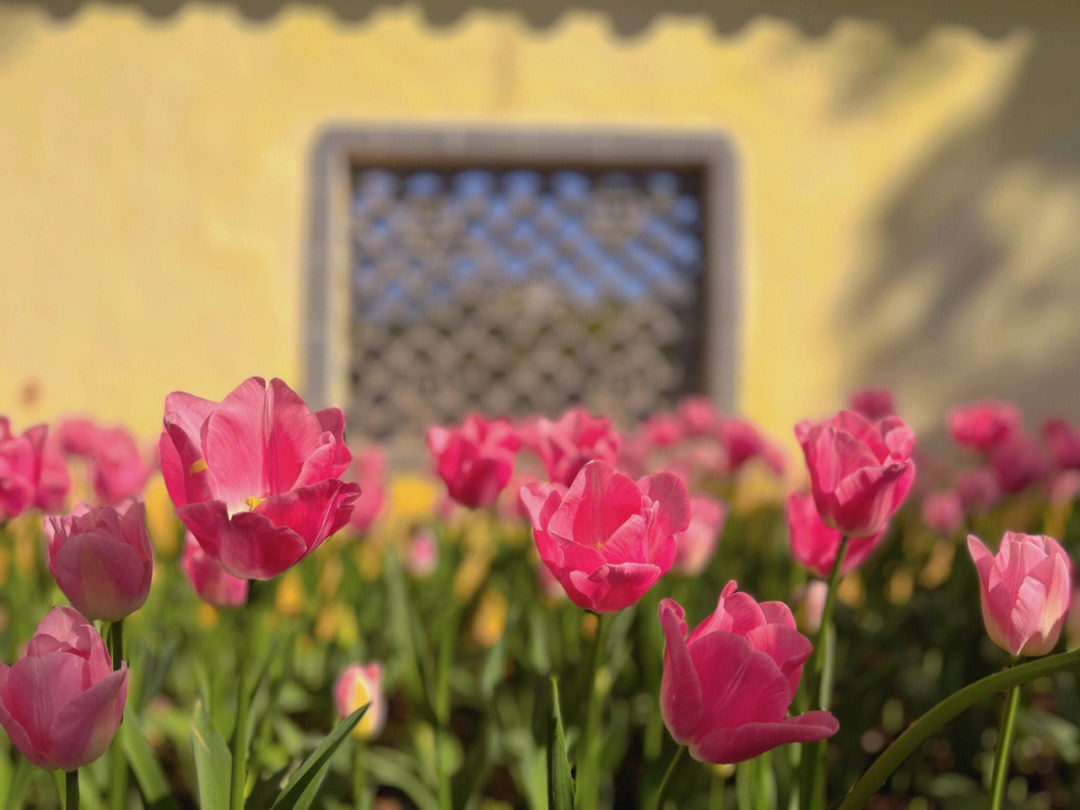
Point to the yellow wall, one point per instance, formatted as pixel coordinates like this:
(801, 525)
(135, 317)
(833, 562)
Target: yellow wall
(153, 175)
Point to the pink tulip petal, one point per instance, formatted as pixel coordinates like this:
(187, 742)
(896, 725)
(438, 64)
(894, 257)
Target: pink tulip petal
(629, 543)
(234, 444)
(313, 512)
(680, 690)
(15, 731)
(329, 460)
(248, 546)
(101, 577)
(673, 501)
(332, 421)
(739, 685)
(786, 646)
(86, 724)
(731, 745)
(598, 502)
(611, 587)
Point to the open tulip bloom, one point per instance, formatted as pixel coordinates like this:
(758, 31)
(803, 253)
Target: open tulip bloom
(607, 539)
(32, 471)
(860, 472)
(1025, 591)
(62, 702)
(727, 685)
(256, 477)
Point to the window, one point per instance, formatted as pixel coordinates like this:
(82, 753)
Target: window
(516, 272)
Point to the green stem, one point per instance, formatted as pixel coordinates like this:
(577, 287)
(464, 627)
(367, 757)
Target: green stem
(931, 722)
(821, 665)
(362, 794)
(72, 779)
(716, 792)
(239, 742)
(661, 794)
(118, 772)
(588, 779)
(442, 709)
(1005, 739)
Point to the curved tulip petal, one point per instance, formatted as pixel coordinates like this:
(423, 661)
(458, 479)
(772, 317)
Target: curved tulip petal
(86, 724)
(680, 689)
(731, 745)
(248, 545)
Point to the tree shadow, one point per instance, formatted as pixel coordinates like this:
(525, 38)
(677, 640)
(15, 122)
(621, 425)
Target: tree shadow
(973, 237)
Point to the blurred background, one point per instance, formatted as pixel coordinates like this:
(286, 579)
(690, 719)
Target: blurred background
(904, 197)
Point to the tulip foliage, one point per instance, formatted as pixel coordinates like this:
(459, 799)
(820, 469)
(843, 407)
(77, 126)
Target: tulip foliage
(556, 612)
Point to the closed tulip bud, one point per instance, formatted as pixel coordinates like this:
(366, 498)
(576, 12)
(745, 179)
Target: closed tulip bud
(978, 489)
(695, 546)
(943, 512)
(815, 545)
(873, 403)
(1025, 591)
(211, 582)
(1064, 442)
(359, 685)
(102, 559)
(728, 684)
(256, 477)
(984, 425)
(475, 459)
(860, 472)
(62, 702)
(607, 539)
(1018, 462)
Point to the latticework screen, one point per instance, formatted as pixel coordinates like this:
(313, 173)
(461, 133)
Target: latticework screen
(519, 290)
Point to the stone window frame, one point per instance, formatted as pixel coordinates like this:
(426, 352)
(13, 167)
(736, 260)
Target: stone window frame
(340, 149)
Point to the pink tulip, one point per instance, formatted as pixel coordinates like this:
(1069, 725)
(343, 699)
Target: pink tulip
(699, 415)
(978, 489)
(815, 546)
(943, 512)
(662, 429)
(576, 438)
(607, 538)
(116, 467)
(62, 702)
(860, 472)
(1064, 442)
(211, 582)
(101, 558)
(32, 472)
(810, 599)
(1018, 462)
(983, 425)
(727, 685)
(367, 471)
(475, 460)
(422, 557)
(873, 403)
(695, 546)
(359, 685)
(256, 477)
(1025, 591)
(1064, 487)
(742, 442)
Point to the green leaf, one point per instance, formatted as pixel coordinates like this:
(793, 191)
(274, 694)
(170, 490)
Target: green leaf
(20, 783)
(390, 767)
(295, 795)
(560, 781)
(931, 722)
(213, 762)
(147, 770)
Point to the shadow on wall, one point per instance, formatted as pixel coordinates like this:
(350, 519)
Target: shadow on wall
(978, 269)
(977, 275)
(904, 20)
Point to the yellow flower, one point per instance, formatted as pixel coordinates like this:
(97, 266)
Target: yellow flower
(290, 594)
(489, 623)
